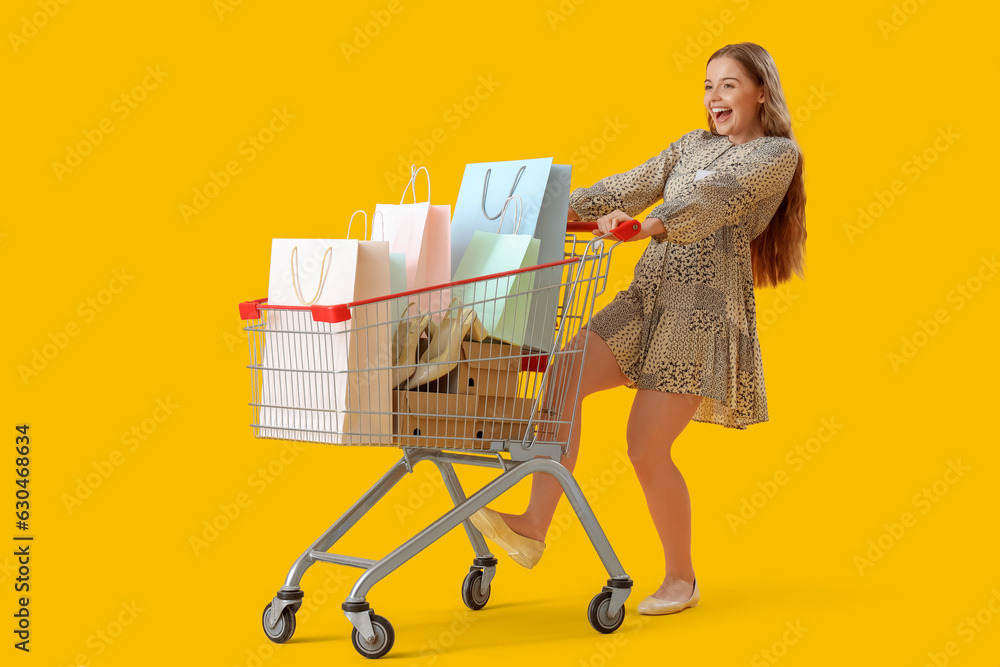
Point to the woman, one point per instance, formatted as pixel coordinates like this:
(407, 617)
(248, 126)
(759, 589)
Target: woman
(684, 333)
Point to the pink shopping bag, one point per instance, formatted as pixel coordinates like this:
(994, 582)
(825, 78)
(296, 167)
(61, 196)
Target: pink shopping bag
(422, 231)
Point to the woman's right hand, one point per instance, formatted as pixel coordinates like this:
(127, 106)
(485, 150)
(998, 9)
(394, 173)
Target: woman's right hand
(573, 215)
(608, 222)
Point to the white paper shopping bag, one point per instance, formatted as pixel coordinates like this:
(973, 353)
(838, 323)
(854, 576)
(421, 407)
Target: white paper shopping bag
(312, 271)
(322, 381)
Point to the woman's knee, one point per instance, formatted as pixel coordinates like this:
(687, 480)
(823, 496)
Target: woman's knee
(655, 422)
(646, 444)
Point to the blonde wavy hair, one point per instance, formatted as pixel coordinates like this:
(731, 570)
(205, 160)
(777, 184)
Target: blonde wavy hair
(780, 249)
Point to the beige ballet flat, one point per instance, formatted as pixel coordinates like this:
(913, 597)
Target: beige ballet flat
(404, 345)
(524, 550)
(654, 606)
(444, 347)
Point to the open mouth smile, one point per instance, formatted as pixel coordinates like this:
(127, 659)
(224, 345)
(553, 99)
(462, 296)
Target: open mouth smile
(722, 114)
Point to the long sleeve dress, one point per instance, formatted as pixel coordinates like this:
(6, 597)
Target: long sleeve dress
(687, 322)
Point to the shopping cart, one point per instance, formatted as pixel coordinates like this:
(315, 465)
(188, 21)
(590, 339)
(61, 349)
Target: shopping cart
(499, 398)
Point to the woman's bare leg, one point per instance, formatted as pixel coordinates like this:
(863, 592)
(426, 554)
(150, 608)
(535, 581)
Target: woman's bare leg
(600, 371)
(656, 420)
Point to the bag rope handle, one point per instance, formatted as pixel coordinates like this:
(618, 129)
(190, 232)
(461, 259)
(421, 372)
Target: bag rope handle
(373, 225)
(412, 183)
(517, 212)
(351, 221)
(323, 270)
(486, 185)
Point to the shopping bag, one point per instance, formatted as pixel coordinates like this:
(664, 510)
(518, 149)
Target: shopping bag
(322, 381)
(544, 190)
(397, 273)
(301, 271)
(502, 304)
(422, 232)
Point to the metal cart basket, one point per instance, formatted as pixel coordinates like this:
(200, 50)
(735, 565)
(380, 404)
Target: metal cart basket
(325, 374)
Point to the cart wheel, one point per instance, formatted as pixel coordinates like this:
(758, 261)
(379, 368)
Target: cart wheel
(471, 596)
(384, 636)
(285, 628)
(597, 613)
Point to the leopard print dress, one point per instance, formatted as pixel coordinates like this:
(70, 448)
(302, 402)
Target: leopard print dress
(687, 322)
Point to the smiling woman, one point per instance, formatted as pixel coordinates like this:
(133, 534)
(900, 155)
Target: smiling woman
(730, 218)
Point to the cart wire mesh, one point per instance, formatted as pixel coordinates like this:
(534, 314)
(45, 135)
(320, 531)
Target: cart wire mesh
(351, 382)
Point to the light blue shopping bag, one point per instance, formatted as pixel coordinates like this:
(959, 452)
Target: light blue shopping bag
(544, 190)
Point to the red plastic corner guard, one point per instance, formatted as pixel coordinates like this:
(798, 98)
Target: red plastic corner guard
(249, 310)
(334, 314)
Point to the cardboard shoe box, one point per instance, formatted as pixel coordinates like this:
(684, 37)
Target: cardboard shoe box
(429, 403)
(495, 356)
(504, 418)
(489, 369)
(486, 382)
(432, 419)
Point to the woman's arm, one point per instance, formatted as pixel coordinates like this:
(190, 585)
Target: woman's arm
(749, 196)
(632, 191)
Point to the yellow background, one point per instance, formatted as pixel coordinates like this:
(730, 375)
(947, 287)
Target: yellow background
(866, 100)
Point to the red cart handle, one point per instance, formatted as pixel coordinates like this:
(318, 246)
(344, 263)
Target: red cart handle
(624, 231)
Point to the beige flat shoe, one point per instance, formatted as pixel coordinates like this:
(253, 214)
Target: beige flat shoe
(654, 606)
(524, 550)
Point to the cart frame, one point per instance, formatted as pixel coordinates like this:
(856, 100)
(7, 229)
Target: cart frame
(373, 635)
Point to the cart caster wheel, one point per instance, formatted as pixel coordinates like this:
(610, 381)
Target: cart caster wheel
(285, 628)
(384, 636)
(597, 613)
(471, 595)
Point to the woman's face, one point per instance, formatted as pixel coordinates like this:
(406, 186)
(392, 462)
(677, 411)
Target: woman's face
(733, 99)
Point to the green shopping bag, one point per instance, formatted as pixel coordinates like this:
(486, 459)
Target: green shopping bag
(502, 304)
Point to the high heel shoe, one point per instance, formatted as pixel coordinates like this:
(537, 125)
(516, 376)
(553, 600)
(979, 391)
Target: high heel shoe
(654, 606)
(444, 348)
(472, 326)
(524, 550)
(404, 345)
